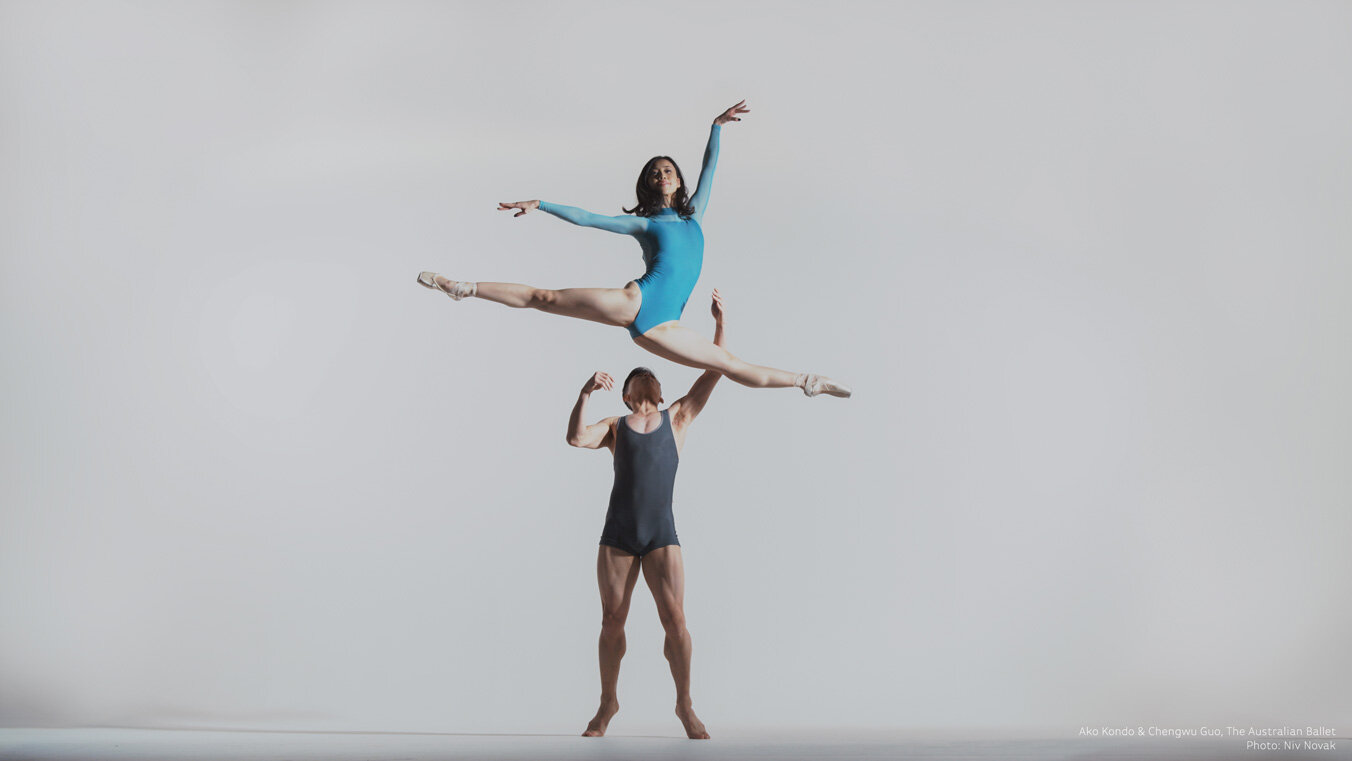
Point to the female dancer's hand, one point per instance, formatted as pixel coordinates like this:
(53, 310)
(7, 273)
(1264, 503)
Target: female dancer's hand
(717, 307)
(731, 114)
(598, 380)
(524, 206)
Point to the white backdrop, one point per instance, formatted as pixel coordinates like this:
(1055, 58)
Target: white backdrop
(1086, 266)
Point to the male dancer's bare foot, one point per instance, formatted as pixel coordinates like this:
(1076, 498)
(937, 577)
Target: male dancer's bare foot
(694, 728)
(597, 727)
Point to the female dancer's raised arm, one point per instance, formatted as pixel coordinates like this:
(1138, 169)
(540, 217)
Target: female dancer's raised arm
(706, 173)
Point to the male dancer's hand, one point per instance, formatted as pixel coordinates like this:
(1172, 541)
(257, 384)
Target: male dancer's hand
(717, 307)
(719, 313)
(524, 206)
(598, 380)
(731, 114)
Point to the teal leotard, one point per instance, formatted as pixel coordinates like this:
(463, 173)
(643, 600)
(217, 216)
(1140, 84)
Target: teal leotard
(673, 247)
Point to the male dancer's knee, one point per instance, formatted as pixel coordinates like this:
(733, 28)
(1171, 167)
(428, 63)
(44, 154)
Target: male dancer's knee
(612, 625)
(674, 625)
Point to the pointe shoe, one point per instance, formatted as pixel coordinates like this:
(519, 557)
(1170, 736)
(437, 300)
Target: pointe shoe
(457, 291)
(820, 384)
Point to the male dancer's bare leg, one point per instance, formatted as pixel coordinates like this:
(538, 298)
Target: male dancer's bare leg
(616, 574)
(664, 571)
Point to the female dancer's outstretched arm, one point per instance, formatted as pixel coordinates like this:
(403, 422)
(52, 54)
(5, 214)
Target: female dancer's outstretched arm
(706, 173)
(626, 224)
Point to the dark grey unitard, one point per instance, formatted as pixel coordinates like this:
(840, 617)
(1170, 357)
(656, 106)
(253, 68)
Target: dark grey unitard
(639, 519)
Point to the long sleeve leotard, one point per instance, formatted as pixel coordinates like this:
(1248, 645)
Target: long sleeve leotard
(673, 247)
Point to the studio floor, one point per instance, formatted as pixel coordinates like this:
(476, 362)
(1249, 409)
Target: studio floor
(122, 744)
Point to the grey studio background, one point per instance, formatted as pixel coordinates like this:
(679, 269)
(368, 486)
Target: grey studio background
(1085, 264)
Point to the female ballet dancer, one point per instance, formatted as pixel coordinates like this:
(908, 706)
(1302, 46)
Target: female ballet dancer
(666, 225)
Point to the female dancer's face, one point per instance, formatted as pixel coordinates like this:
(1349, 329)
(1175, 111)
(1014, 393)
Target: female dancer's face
(662, 177)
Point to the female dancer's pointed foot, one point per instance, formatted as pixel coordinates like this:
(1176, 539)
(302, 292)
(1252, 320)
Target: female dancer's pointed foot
(597, 727)
(820, 384)
(456, 289)
(694, 728)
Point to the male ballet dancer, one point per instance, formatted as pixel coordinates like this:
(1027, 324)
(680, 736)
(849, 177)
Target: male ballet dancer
(640, 530)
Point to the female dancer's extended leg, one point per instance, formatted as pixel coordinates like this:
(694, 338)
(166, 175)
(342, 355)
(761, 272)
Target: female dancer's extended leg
(619, 306)
(611, 306)
(674, 341)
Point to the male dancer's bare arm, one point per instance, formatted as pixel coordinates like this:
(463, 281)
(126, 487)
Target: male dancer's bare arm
(688, 406)
(590, 436)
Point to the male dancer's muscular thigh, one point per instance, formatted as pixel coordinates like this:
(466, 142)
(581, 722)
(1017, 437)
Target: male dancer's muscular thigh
(664, 570)
(616, 574)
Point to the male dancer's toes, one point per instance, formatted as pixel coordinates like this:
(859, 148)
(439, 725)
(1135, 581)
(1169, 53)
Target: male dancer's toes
(597, 727)
(820, 384)
(694, 728)
(456, 289)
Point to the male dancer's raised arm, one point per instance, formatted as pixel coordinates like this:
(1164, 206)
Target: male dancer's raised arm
(599, 434)
(684, 410)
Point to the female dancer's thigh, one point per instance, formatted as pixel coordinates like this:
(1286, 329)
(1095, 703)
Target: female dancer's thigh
(612, 306)
(676, 342)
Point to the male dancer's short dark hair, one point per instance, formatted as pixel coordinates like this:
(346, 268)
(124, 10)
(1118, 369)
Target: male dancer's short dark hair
(636, 372)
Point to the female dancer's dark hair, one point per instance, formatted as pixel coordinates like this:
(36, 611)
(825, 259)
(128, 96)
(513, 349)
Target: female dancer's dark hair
(650, 201)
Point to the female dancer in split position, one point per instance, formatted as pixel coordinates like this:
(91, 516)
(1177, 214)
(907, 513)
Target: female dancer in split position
(666, 225)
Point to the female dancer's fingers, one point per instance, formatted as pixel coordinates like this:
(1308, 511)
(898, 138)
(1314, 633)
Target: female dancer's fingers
(729, 115)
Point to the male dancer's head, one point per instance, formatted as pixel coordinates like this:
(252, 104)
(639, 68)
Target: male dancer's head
(641, 386)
